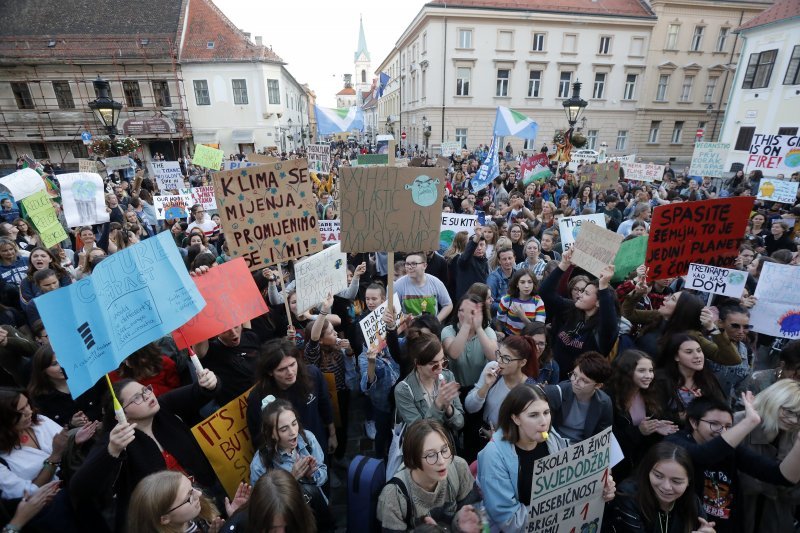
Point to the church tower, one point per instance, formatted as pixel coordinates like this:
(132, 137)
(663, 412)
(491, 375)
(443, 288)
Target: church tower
(363, 74)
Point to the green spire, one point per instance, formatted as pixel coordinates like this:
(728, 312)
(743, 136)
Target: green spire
(362, 42)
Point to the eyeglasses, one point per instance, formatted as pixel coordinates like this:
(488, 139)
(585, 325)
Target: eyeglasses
(580, 381)
(541, 345)
(435, 365)
(194, 495)
(505, 358)
(433, 457)
(740, 326)
(412, 265)
(139, 397)
(786, 413)
(716, 427)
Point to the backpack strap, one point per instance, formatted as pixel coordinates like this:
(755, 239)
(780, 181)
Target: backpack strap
(409, 504)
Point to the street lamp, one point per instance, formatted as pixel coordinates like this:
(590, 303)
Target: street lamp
(574, 105)
(104, 108)
(426, 131)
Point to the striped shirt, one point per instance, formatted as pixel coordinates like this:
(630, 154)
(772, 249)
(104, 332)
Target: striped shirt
(512, 324)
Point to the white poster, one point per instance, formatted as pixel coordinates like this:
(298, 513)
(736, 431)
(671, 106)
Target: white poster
(83, 199)
(450, 147)
(168, 175)
(117, 163)
(643, 171)
(172, 206)
(319, 158)
(329, 231)
(230, 165)
(318, 275)
(716, 280)
(201, 195)
(373, 328)
(777, 311)
(774, 154)
(708, 159)
(569, 227)
(87, 165)
(781, 191)
(23, 183)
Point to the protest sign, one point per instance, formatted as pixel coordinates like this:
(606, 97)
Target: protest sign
(22, 183)
(450, 147)
(707, 232)
(317, 276)
(87, 165)
(227, 444)
(781, 191)
(82, 198)
(567, 487)
(230, 165)
(172, 206)
(595, 248)
(168, 175)
(716, 280)
(416, 162)
(535, 168)
(602, 175)
(39, 209)
(643, 171)
(373, 159)
(117, 163)
(329, 231)
(132, 298)
(708, 159)
(319, 158)
(777, 310)
(232, 299)
(261, 159)
(374, 329)
(201, 195)
(268, 212)
(569, 227)
(774, 154)
(390, 208)
(207, 157)
(452, 223)
(442, 162)
(630, 255)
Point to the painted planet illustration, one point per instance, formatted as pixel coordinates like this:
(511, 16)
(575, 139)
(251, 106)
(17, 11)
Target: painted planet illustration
(792, 158)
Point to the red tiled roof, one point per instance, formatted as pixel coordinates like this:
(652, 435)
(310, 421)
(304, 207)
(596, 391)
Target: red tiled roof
(206, 24)
(347, 91)
(630, 8)
(782, 9)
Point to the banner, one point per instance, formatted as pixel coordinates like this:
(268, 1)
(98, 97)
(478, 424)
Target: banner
(569, 227)
(708, 159)
(329, 231)
(567, 488)
(777, 311)
(172, 206)
(39, 209)
(230, 165)
(318, 275)
(319, 158)
(630, 255)
(452, 223)
(226, 443)
(535, 168)
(643, 171)
(373, 328)
(707, 232)
(132, 298)
(390, 208)
(117, 163)
(232, 298)
(716, 280)
(595, 248)
(201, 195)
(268, 212)
(82, 199)
(87, 165)
(22, 183)
(450, 147)
(602, 175)
(207, 157)
(781, 191)
(774, 154)
(488, 171)
(167, 174)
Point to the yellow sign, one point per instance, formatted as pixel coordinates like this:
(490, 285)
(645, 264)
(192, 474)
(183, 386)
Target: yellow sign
(207, 157)
(39, 209)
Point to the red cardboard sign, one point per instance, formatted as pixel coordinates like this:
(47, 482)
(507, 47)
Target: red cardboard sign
(707, 232)
(232, 298)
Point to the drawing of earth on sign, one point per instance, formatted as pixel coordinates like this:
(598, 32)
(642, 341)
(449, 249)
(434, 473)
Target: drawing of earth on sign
(446, 239)
(424, 190)
(792, 158)
(84, 192)
(735, 277)
(790, 323)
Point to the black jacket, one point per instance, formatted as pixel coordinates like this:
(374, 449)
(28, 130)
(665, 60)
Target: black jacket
(561, 399)
(470, 269)
(623, 514)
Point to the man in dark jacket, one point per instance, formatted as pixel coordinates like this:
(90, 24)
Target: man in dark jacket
(472, 265)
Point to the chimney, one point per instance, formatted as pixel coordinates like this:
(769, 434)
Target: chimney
(258, 40)
(247, 34)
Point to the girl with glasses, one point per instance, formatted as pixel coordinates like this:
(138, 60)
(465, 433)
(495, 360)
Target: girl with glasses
(27, 238)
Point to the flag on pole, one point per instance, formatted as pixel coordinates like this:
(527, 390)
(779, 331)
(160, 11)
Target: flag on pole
(383, 79)
(514, 123)
(339, 120)
(489, 170)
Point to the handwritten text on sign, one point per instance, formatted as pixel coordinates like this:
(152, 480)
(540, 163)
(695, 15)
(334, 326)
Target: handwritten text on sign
(41, 212)
(777, 311)
(595, 248)
(716, 280)
(268, 213)
(774, 154)
(643, 171)
(570, 227)
(318, 275)
(781, 191)
(708, 159)
(374, 329)
(319, 158)
(706, 232)
(329, 231)
(168, 174)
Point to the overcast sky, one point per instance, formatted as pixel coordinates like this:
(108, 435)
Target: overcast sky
(318, 38)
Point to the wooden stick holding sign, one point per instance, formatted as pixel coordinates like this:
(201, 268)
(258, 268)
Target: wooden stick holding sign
(198, 366)
(286, 302)
(390, 282)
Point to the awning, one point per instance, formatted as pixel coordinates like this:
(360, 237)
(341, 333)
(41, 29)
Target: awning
(204, 136)
(242, 136)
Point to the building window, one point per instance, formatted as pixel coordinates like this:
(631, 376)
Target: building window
(505, 40)
(465, 38)
(133, 96)
(79, 151)
(534, 83)
(529, 144)
(622, 140)
(697, 38)
(787, 131)
(630, 87)
(655, 125)
(22, 94)
(63, 95)
(39, 151)
(759, 69)
(605, 45)
(240, 92)
(538, 42)
(686, 88)
(599, 85)
(637, 46)
(711, 87)
(792, 76)
(201, 95)
(5, 151)
(502, 82)
(273, 92)
(461, 136)
(722, 38)
(661, 90)
(424, 42)
(591, 140)
(570, 43)
(672, 36)
(745, 138)
(161, 93)
(463, 75)
(677, 131)
(563, 84)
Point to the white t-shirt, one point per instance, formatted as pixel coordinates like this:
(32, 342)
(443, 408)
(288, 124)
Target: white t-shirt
(208, 226)
(25, 463)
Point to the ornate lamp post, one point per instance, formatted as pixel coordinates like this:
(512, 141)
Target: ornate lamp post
(573, 107)
(104, 108)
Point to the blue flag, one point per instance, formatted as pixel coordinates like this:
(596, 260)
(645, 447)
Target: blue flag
(489, 170)
(508, 122)
(339, 120)
(383, 79)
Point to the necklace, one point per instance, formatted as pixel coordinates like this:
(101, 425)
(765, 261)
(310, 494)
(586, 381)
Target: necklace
(28, 436)
(663, 526)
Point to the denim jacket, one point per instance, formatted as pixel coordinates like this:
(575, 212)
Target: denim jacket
(387, 372)
(285, 461)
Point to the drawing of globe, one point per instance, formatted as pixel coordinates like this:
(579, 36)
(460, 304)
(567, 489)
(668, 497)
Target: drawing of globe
(575, 230)
(84, 190)
(792, 158)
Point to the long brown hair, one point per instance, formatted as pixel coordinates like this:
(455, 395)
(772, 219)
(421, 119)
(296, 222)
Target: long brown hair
(277, 494)
(272, 353)
(10, 417)
(269, 422)
(514, 404)
(622, 387)
(40, 383)
(55, 264)
(525, 348)
(144, 363)
(685, 506)
(153, 497)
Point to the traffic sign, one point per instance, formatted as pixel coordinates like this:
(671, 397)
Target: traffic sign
(86, 137)
(403, 135)
(700, 132)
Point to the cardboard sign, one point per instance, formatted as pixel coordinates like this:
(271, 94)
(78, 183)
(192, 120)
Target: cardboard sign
(777, 311)
(774, 154)
(117, 163)
(707, 232)
(317, 276)
(708, 159)
(595, 248)
(226, 443)
(643, 171)
(87, 165)
(450, 147)
(201, 195)
(40, 211)
(452, 223)
(319, 158)
(373, 159)
(172, 206)
(329, 231)
(82, 199)
(168, 175)
(232, 299)
(630, 255)
(535, 168)
(570, 227)
(716, 280)
(567, 488)
(602, 175)
(442, 162)
(207, 157)
(781, 191)
(260, 159)
(391, 209)
(268, 212)
(22, 183)
(132, 298)
(373, 328)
